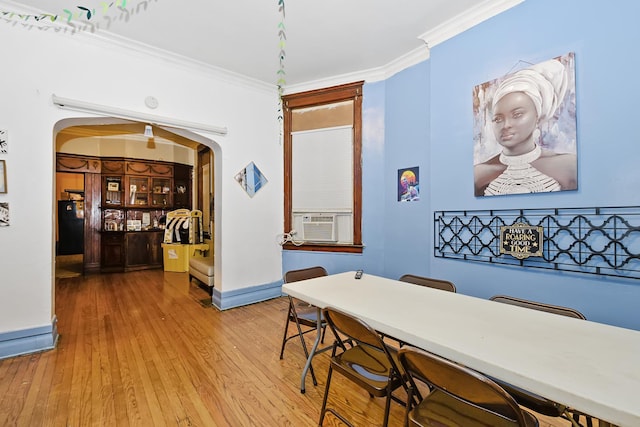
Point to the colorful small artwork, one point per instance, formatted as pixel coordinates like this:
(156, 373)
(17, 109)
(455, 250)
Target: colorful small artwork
(409, 184)
(251, 179)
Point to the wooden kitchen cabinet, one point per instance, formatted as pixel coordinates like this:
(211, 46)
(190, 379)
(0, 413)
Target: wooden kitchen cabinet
(135, 195)
(143, 250)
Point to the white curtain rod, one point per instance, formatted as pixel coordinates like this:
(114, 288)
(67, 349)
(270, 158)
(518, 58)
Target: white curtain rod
(104, 110)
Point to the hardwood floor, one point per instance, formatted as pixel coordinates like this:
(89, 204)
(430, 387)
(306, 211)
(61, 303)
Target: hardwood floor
(68, 266)
(142, 349)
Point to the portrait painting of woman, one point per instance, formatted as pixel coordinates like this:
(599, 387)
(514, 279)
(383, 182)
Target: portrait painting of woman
(525, 130)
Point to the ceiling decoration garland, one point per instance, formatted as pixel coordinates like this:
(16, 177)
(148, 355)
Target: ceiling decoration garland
(85, 15)
(283, 38)
(281, 56)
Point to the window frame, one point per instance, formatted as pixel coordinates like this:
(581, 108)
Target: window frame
(314, 98)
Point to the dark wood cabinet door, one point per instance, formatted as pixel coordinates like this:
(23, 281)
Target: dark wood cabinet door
(137, 252)
(143, 250)
(155, 249)
(112, 252)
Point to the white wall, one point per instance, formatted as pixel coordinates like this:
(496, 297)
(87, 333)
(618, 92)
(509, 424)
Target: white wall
(36, 64)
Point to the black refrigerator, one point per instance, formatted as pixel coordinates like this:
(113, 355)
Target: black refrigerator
(70, 227)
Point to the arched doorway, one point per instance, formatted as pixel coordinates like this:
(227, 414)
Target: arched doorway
(109, 137)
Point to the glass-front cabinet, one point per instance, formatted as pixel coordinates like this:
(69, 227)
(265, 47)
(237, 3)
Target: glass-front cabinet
(138, 190)
(148, 191)
(160, 192)
(112, 191)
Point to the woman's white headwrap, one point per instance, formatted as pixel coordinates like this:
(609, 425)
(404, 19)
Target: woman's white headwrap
(545, 83)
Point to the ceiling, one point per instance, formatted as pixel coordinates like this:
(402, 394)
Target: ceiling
(321, 39)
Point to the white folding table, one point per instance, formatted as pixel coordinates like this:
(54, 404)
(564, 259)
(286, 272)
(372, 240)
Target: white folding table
(589, 366)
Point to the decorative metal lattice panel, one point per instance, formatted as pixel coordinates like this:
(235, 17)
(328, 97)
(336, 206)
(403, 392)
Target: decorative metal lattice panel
(603, 241)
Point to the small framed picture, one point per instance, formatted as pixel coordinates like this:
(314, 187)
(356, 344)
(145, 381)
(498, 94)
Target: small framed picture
(134, 225)
(3, 177)
(113, 186)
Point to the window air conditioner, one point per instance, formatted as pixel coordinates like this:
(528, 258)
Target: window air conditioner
(319, 227)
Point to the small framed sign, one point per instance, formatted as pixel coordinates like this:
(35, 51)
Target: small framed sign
(134, 225)
(521, 240)
(113, 186)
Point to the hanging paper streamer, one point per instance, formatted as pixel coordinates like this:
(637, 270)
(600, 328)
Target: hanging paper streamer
(281, 73)
(85, 15)
(283, 38)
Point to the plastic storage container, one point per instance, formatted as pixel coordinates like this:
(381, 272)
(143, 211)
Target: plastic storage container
(175, 257)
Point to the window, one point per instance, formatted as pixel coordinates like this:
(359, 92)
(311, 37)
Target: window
(323, 169)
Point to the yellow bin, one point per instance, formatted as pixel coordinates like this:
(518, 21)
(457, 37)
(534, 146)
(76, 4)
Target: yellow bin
(175, 257)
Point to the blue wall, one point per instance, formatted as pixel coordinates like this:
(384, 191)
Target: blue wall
(604, 40)
(428, 123)
(407, 227)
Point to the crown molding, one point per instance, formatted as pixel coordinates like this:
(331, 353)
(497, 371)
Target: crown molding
(447, 30)
(184, 61)
(464, 21)
(369, 75)
(454, 26)
(407, 60)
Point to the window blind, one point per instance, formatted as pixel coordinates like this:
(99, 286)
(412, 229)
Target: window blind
(322, 169)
